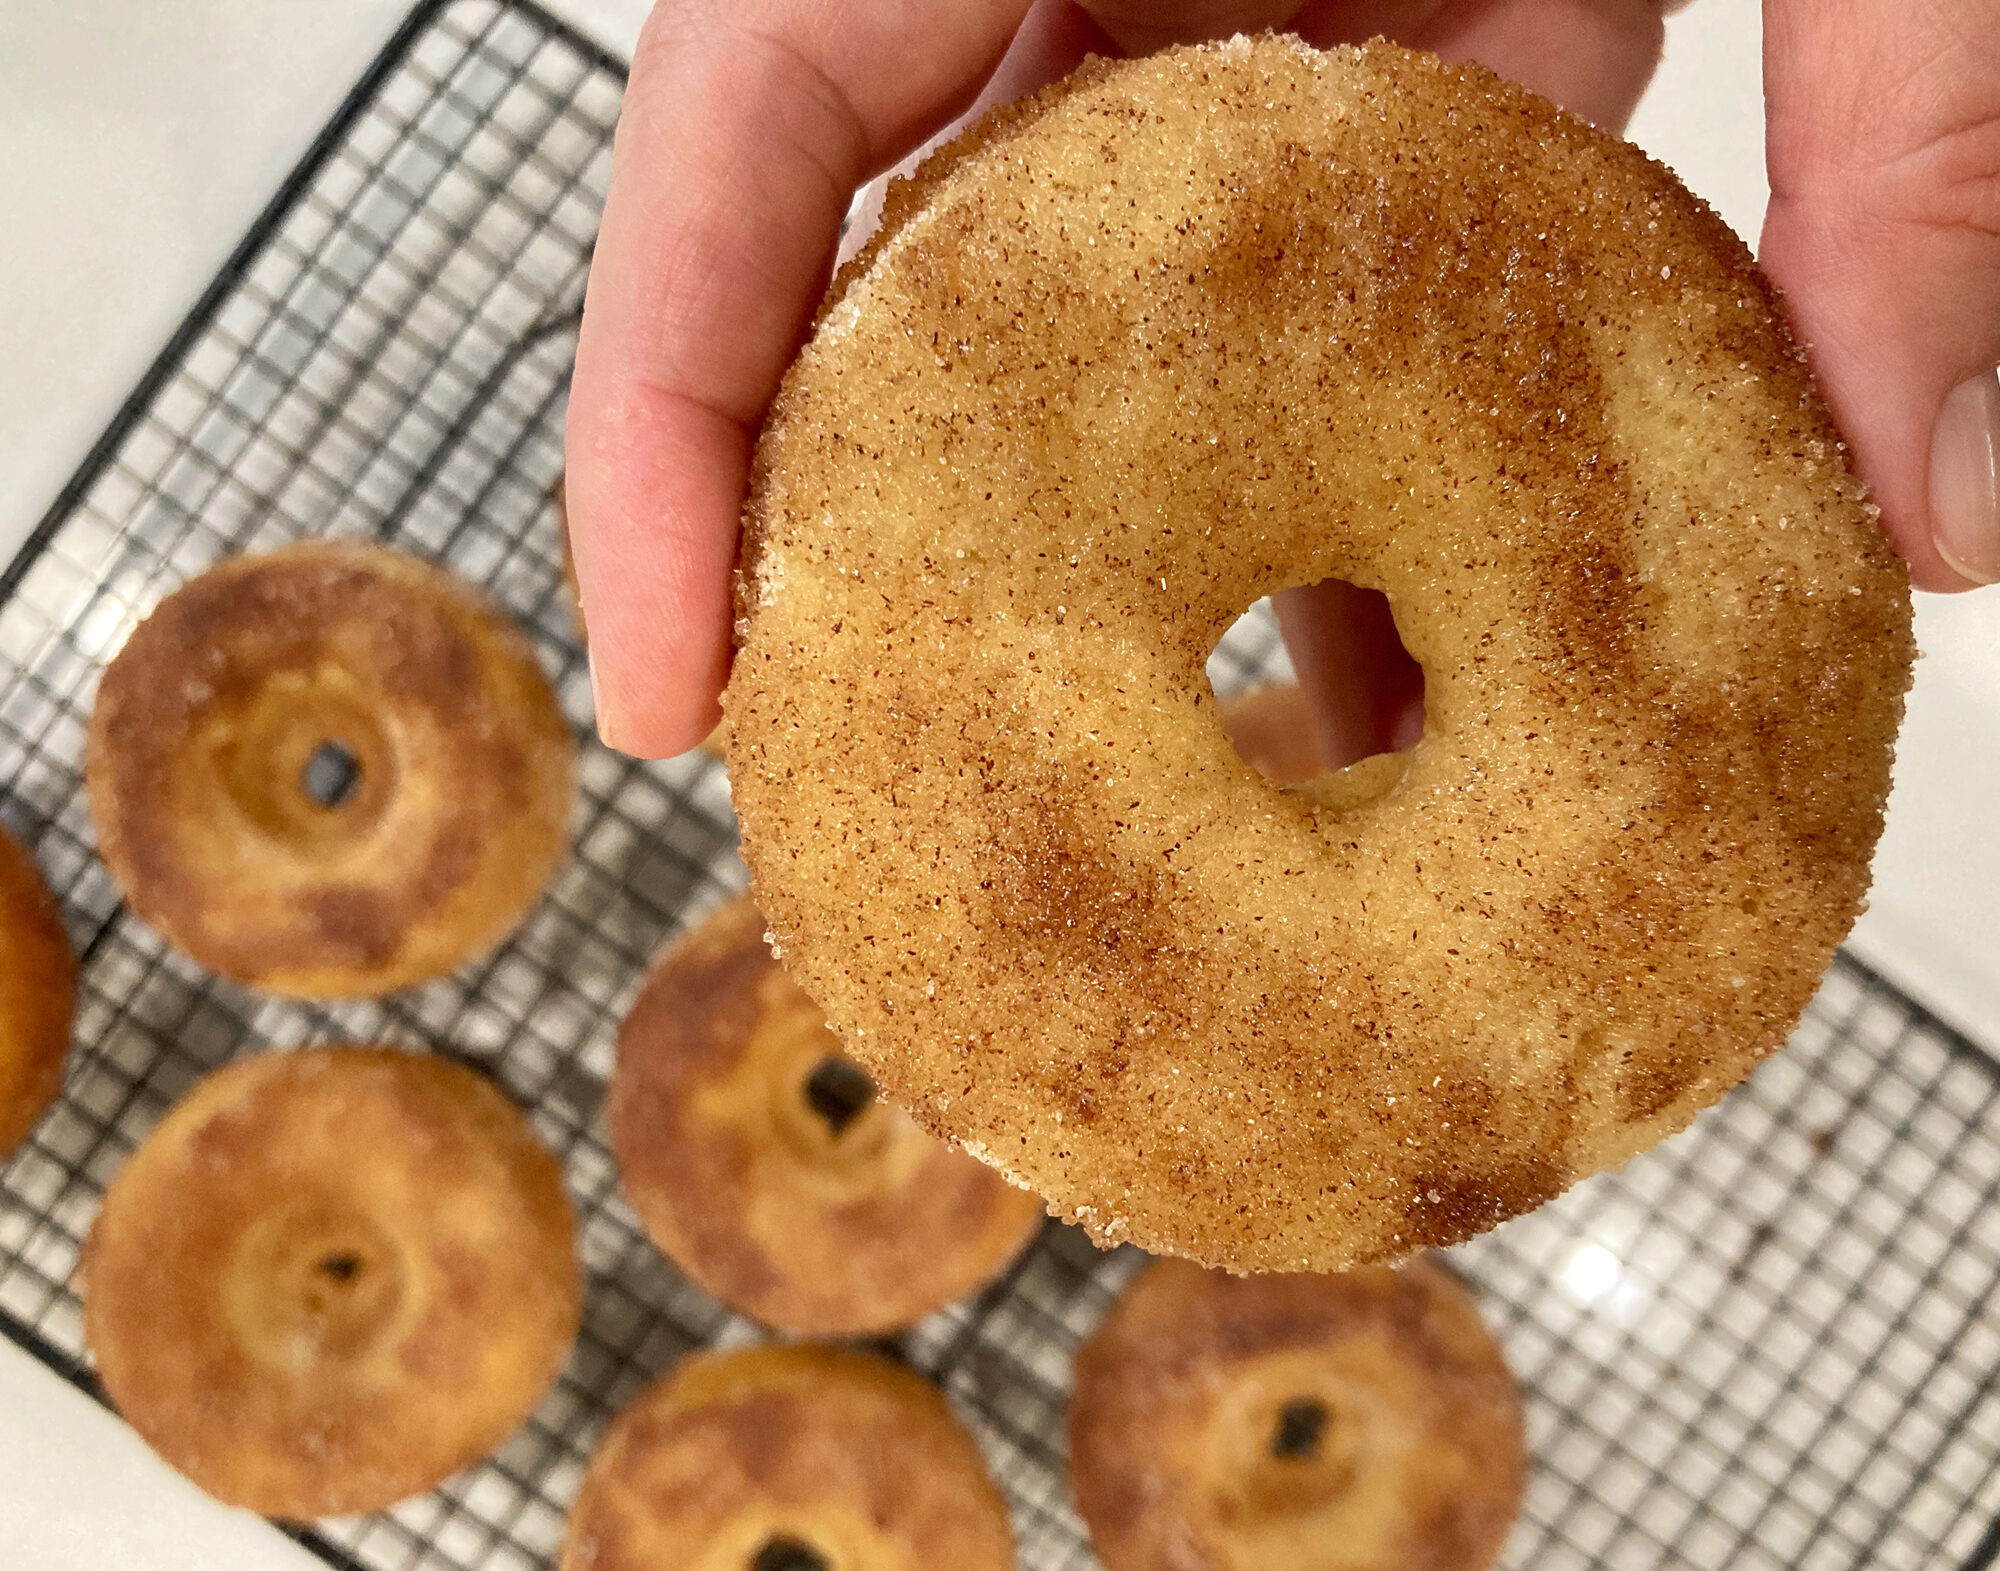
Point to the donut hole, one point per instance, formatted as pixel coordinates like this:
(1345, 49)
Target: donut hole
(314, 1281)
(838, 1091)
(781, 1552)
(341, 1266)
(823, 1107)
(1346, 743)
(1299, 1431)
(1291, 1428)
(332, 774)
(311, 763)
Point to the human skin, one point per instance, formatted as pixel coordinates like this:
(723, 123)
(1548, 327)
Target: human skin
(749, 124)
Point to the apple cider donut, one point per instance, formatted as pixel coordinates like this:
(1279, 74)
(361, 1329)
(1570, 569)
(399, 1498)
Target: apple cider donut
(1186, 331)
(332, 1277)
(1359, 1422)
(766, 1168)
(329, 771)
(37, 994)
(788, 1459)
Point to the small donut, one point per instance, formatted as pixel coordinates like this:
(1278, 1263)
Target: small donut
(1186, 331)
(788, 1459)
(331, 1278)
(329, 771)
(37, 994)
(1360, 1422)
(766, 1168)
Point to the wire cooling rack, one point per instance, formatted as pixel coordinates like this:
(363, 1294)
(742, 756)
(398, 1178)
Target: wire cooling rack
(1773, 1342)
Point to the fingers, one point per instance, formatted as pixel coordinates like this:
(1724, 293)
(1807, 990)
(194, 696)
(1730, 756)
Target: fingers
(1884, 231)
(747, 125)
(1593, 57)
(1141, 26)
(1367, 693)
(1052, 42)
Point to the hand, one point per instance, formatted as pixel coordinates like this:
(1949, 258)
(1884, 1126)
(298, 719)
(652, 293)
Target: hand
(1884, 229)
(748, 123)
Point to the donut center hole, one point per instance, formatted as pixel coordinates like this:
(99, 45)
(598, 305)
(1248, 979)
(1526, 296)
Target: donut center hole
(342, 1266)
(314, 1281)
(780, 1553)
(1300, 1431)
(1358, 694)
(309, 760)
(838, 1091)
(331, 776)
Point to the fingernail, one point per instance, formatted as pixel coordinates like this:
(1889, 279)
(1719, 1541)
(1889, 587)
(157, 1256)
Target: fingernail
(1965, 479)
(604, 723)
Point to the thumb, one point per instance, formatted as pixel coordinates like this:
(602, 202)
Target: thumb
(1141, 26)
(1884, 231)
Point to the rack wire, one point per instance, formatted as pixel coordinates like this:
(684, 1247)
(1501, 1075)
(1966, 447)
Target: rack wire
(1773, 1342)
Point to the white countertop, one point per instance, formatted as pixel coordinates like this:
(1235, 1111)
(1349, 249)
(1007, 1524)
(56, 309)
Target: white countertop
(136, 144)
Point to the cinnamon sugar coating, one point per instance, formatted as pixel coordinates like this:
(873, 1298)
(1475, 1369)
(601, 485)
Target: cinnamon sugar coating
(332, 1277)
(1184, 332)
(1358, 1422)
(790, 1194)
(783, 1457)
(207, 723)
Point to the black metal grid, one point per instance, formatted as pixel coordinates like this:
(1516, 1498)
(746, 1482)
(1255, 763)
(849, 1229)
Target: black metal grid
(1771, 1343)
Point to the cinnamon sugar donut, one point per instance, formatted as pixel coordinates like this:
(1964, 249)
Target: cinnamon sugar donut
(788, 1459)
(37, 994)
(1186, 331)
(447, 803)
(330, 1278)
(1361, 1422)
(765, 1167)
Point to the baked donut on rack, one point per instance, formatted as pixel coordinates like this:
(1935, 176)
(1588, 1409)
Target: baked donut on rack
(37, 994)
(788, 1459)
(329, 771)
(766, 1168)
(332, 1277)
(1186, 331)
(1360, 1422)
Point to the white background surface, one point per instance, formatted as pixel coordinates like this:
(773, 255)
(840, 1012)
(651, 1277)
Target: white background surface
(137, 141)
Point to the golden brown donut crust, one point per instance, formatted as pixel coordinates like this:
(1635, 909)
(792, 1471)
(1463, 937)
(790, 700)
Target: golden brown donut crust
(331, 1278)
(1184, 332)
(37, 994)
(1411, 1456)
(841, 1453)
(817, 1230)
(207, 717)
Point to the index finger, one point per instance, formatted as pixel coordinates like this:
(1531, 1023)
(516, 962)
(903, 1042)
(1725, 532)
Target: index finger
(746, 128)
